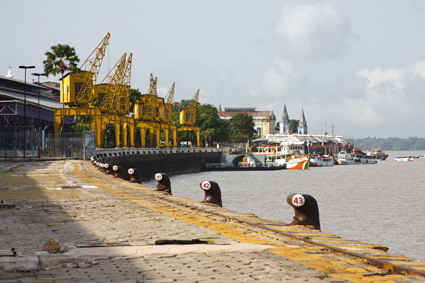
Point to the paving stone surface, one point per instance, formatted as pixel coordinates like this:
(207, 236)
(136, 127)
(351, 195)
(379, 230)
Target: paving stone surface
(48, 200)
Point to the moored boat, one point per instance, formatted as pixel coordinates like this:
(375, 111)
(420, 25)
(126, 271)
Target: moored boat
(380, 154)
(345, 158)
(364, 158)
(403, 158)
(321, 161)
(298, 162)
(290, 155)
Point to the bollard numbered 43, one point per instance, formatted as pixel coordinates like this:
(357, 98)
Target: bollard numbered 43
(298, 200)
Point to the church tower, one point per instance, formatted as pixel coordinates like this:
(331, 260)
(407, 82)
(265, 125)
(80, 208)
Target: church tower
(284, 125)
(9, 74)
(302, 126)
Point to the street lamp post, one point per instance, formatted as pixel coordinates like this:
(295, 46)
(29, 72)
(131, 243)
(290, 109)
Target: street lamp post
(25, 103)
(38, 75)
(62, 70)
(38, 114)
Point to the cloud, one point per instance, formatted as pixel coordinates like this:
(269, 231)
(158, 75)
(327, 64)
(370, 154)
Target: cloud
(278, 79)
(313, 31)
(388, 96)
(418, 69)
(385, 86)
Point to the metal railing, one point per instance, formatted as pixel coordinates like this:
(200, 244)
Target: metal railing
(39, 145)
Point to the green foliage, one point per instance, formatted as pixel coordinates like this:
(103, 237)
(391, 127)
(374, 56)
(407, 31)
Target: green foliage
(134, 96)
(82, 123)
(241, 128)
(211, 126)
(178, 106)
(61, 53)
(412, 143)
(293, 128)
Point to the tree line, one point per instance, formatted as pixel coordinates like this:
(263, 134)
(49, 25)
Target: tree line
(238, 129)
(412, 143)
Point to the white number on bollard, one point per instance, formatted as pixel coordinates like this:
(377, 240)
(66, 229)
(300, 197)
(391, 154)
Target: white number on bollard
(158, 176)
(298, 200)
(206, 185)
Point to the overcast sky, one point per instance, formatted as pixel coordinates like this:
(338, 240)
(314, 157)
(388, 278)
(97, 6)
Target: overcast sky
(359, 65)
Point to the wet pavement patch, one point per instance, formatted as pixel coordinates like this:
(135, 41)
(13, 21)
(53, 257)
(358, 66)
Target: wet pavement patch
(7, 206)
(71, 187)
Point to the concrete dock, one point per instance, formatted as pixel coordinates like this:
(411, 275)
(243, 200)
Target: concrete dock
(107, 228)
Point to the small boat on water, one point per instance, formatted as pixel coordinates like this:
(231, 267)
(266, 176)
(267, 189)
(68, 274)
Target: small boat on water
(380, 154)
(345, 158)
(290, 155)
(364, 158)
(321, 161)
(298, 162)
(403, 158)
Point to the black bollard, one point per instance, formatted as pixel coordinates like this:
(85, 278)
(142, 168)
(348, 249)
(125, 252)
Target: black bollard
(212, 193)
(164, 183)
(119, 172)
(306, 210)
(135, 175)
(99, 165)
(109, 169)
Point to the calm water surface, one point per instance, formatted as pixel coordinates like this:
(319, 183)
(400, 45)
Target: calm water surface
(381, 203)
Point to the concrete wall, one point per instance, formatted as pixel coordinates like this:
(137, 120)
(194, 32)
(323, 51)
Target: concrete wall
(169, 161)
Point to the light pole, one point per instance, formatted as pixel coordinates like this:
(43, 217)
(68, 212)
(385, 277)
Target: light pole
(38, 114)
(38, 75)
(62, 70)
(25, 103)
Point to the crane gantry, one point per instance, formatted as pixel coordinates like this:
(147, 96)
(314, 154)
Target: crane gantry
(77, 91)
(168, 105)
(188, 118)
(108, 88)
(79, 86)
(109, 103)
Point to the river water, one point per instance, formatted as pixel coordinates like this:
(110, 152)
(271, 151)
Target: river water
(382, 203)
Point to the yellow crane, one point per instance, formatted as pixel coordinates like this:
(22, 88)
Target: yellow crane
(187, 115)
(77, 87)
(149, 106)
(108, 88)
(77, 91)
(188, 118)
(124, 93)
(168, 105)
(149, 113)
(152, 86)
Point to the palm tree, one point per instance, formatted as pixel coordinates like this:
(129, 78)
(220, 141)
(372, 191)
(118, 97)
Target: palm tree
(82, 123)
(60, 59)
(134, 96)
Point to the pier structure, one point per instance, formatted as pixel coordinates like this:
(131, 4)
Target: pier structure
(109, 229)
(314, 144)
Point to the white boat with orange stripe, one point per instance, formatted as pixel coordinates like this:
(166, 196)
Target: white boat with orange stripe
(290, 155)
(298, 162)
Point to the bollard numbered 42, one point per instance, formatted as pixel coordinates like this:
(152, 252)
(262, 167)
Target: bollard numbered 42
(206, 185)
